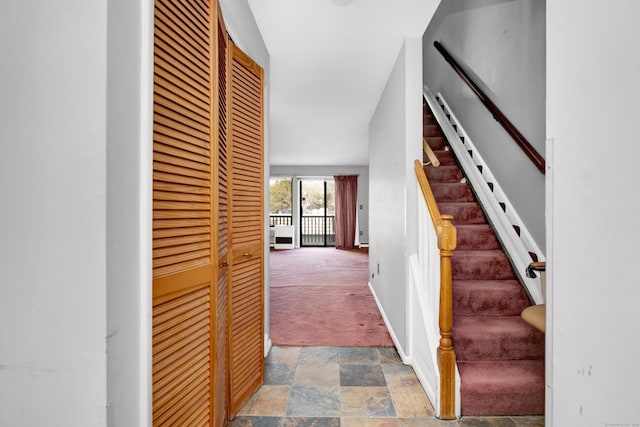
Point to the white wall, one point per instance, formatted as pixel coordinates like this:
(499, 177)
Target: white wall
(53, 87)
(593, 102)
(502, 43)
(394, 143)
(320, 171)
(241, 26)
(129, 211)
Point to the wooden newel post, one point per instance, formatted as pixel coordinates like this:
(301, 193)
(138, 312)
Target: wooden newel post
(446, 356)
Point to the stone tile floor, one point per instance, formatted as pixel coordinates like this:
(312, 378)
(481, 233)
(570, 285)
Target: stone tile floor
(348, 387)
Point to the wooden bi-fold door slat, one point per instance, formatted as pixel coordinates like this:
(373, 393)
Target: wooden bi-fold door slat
(208, 297)
(185, 250)
(246, 293)
(221, 377)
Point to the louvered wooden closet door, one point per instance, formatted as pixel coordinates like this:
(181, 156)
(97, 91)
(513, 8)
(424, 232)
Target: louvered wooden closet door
(246, 297)
(184, 214)
(221, 381)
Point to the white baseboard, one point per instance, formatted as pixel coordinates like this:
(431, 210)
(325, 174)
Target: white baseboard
(267, 345)
(403, 355)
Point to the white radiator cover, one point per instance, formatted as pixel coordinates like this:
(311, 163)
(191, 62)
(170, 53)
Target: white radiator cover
(283, 237)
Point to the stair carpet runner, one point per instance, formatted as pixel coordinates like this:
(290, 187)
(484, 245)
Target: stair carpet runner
(500, 358)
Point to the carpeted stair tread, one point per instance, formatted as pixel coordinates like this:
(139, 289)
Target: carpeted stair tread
(435, 142)
(445, 157)
(428, 119)
(500, 357)
(502, 387)
(476, 236)
(454, 192)
(481, 265)
(488, 297)
(443, 174)
(430, 130)
(463, 213)
(496, 338)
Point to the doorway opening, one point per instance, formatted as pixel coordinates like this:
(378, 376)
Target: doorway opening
(317, 281)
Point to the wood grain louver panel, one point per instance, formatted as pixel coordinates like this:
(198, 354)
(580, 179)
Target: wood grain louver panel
(184, 254)
(181, 354)
(182, 131)
(246, 293)
(221, 379)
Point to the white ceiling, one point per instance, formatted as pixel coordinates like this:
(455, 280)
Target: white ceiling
(330, 60)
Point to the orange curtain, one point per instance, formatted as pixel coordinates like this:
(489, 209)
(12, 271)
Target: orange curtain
(346, 199)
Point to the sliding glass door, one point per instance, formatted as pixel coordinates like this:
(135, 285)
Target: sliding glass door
(317, 212)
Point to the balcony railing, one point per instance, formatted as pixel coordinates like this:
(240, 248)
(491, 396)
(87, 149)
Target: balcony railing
(317, 230)
(278, 219)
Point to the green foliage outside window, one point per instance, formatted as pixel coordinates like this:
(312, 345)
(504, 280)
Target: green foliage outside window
(280, 195)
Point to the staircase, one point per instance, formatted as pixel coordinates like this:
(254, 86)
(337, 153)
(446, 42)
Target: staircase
(500, 358)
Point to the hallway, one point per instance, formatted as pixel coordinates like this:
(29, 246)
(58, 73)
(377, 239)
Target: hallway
(348, 387)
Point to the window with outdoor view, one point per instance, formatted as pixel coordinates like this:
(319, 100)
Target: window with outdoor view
(280, 205)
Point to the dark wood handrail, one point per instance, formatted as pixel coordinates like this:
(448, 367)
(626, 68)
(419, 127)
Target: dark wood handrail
(522, 142)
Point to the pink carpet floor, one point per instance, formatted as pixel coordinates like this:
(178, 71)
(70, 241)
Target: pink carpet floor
(320, 297)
